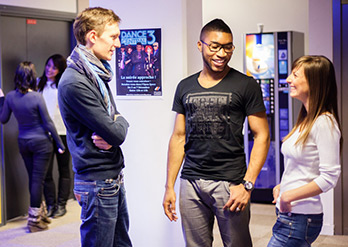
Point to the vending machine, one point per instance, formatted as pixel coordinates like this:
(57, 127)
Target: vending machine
(268, 58)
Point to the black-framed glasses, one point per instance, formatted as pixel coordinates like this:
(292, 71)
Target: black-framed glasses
(216, 47)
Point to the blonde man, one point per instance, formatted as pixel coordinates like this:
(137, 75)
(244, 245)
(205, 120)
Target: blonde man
(95, 130)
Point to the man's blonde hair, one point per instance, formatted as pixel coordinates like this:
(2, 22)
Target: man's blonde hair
(93, 19)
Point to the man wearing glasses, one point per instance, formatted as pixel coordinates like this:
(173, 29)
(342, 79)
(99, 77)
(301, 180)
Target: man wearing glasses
(211, 107)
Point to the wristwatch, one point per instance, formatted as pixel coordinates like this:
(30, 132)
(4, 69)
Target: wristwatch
(249, 186)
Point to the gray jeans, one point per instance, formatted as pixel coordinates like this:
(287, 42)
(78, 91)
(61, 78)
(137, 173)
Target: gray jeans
(201, 201)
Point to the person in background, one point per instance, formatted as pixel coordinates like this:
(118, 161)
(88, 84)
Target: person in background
(311, 154)
(95, 130)
(157, 61)
(48, 86)
(138, 60)
(128, 61)
(211, 108)
(121, 59)
(36, 130)
(149, 60)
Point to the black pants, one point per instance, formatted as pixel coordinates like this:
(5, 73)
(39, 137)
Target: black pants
(36, 154)
(64, 183)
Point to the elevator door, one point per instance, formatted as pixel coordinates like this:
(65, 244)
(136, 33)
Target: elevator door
(24, 39)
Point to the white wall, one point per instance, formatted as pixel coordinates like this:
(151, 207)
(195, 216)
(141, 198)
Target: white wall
(151, 122)
(61, 5)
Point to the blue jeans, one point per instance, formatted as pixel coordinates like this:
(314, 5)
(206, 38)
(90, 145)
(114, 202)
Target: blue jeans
(36, 153)
(295, 230)
(104, 214)
(201, 201)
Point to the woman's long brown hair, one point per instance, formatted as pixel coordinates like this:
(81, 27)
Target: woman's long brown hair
(320, 74)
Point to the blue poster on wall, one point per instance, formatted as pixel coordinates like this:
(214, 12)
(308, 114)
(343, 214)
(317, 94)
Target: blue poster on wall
(138, 63)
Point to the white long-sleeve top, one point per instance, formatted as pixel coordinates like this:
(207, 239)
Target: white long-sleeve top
(317, 160)
(50, 95)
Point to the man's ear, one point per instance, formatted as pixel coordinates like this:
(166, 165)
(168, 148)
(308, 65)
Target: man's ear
(91, 37)
(199, 46)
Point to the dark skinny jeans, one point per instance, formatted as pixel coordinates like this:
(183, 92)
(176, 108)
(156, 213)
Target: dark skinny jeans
(36, 154)
(64, 182)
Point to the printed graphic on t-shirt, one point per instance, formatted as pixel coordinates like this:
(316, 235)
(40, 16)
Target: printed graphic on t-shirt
(208, 115)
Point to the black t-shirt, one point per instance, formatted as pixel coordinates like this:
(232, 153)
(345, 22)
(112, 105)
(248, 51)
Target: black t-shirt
(214, 147)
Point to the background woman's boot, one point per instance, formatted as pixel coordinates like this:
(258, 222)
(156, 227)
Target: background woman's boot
(51, 209)
(61, 210)
(43, 213)
(35, 223)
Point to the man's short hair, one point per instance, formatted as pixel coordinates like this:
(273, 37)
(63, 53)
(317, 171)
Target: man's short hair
(93, 19)
(216, 25)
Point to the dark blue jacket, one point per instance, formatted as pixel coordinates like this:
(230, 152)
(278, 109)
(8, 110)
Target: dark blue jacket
(30, 110)
(84, 113)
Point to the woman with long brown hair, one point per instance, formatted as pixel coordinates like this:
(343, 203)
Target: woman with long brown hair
(36, 130)
(48, 85)
(311, 154)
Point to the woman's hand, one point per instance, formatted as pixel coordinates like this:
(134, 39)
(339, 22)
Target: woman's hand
(276, 191)
(61, 151)
(2, 93)
(285, 203)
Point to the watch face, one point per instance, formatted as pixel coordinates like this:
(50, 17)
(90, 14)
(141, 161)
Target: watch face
(248, 185)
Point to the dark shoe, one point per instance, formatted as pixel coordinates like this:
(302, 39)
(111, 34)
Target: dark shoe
(61, 210)
(51, 210)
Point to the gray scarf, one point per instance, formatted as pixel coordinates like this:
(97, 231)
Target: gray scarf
(99, 71)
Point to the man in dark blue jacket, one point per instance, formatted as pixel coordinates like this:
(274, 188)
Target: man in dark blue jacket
(95, 130)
